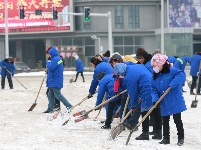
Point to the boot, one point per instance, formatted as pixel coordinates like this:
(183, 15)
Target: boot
(180, 142)
(143, 136)
(165, 141)
(106, 127)
(157, 135)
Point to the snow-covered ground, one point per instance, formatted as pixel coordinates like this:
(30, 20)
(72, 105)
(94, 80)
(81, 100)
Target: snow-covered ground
(23, 130)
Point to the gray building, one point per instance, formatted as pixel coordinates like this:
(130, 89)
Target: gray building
(135, 23)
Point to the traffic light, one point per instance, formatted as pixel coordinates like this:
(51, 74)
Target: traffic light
(38, 12)
(86, 14)
(55, 13)
(22, 12)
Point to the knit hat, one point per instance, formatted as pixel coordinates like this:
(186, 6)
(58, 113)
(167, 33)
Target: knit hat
(129, 58)
(159, 60)
(116, 58)
(120, 69)
(141, 53)
(107, 54)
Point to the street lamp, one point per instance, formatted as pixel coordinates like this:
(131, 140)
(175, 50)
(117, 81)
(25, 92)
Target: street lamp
(162, 27)
(94, 37)
(6, 29)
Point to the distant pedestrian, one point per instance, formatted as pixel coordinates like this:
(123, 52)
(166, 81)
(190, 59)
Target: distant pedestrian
(173, 103)
(79, 68)
(195, 72)
(55, 80)
(8, 70)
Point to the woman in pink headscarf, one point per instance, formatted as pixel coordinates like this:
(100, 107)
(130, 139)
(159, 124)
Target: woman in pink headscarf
(173, 103)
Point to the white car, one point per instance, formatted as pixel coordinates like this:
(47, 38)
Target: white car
(21, 67)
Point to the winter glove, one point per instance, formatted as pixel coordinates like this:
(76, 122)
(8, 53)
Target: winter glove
(49, 58)
(45, 75)
(12, 74)
(89, 95)
(116, 85)
(49, 61)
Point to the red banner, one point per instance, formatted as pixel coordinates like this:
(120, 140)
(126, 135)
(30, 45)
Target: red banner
(31, 20)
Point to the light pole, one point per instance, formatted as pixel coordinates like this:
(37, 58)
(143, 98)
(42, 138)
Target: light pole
(6, 28)
(162, 26)
(94, 37)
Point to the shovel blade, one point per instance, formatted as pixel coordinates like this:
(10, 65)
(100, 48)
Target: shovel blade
(32, 107)
(194, 104)
(71, 80)
(80, 113)
(116, 131)
(80, 118)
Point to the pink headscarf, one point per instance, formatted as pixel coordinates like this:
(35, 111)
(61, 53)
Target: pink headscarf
(159, 60)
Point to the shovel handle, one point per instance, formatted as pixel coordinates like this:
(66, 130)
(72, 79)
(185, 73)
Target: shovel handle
(105, 102)
(15, 78)
(152, 108)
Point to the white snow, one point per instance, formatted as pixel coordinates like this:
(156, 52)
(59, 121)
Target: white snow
(23, 130)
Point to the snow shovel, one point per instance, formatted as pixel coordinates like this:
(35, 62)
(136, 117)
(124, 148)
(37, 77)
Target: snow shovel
(119, 128)
(195, 102)
(34, 104)
(15, 78)
(95, 119)
(148, 113)
(116, 130)
(84, 114)
(71, 80)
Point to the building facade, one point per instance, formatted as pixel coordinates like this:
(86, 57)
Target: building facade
(135, 23)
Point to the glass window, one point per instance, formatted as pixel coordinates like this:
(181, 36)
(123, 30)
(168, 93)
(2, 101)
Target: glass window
(89, 41)
(119, 50)
(67, 41)
(118, 40)
(128, 40)
(119, 17)
(89, 50)
(133, 17)
(138, 40)
(77, 41)
(127, 45)
(55, 42)
(128, 50)
(177, 44)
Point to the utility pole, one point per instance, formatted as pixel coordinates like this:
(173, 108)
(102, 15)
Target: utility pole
(6, 29)
(162, 26)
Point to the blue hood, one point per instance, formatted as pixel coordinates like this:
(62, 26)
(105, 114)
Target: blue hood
(53, 52)
(120, 69)
(187, 58)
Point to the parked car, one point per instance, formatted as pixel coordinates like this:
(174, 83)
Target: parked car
(21, 67)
